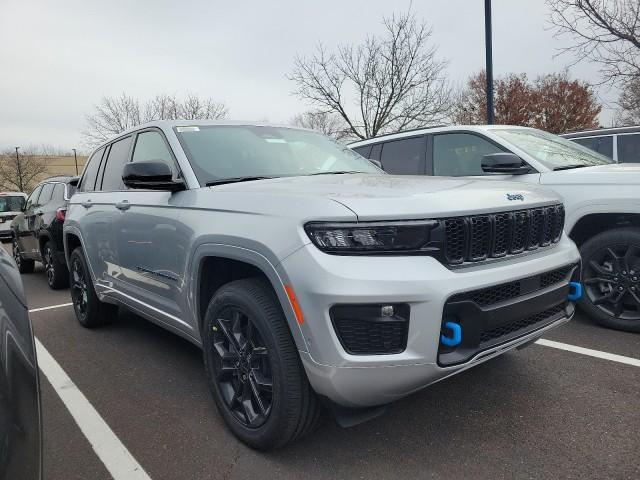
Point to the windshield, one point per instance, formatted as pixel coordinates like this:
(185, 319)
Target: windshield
(230, 151)
(11, 203)
(552, 151)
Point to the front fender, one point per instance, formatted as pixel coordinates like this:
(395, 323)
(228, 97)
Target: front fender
(253, 258)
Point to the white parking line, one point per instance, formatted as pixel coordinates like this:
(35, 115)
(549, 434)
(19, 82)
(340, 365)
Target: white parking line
(115, 456)
(33, 310)
(592, 353)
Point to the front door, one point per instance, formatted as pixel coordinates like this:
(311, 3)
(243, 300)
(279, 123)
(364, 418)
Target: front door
(24, 232)
(459, 154)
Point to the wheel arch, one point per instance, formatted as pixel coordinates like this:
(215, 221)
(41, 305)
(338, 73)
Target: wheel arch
(233, 263)
(592, 224)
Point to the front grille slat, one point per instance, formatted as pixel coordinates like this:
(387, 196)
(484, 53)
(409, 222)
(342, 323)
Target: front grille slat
(477, 238)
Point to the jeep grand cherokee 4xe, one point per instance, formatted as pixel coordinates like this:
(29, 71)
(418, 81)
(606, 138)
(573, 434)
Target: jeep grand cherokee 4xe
(304, 272)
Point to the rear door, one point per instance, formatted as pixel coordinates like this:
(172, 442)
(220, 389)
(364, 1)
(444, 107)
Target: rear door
(151, 244)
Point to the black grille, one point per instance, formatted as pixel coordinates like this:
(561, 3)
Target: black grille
(361, 336)
(362, 330)
(480, 237)
(485, 297)
(501, 331)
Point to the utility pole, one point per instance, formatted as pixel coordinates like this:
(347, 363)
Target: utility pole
(75, 157)
(489, 60)
(20, 186)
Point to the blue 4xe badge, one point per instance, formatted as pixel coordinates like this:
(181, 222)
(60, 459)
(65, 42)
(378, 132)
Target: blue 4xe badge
(515, 196)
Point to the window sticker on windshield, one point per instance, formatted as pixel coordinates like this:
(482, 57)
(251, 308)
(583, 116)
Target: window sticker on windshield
(275, 140)
(187, 129)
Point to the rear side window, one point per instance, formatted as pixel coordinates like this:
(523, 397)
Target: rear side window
(33, 198)
(118, 156)
(603, 145)
(58, 193)
(404, 157)
(150, 146)
(460, 154)
(629, 148)
(91, 171)
(45, 194)
(364, 151)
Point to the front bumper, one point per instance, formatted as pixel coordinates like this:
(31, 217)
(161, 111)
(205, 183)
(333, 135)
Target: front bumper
(321, 281)
(5, 229)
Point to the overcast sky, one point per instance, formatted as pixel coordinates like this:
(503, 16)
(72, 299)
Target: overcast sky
(58, 58)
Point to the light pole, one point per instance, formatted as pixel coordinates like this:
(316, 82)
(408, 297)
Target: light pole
(489, 60)
(75, 157)
(20, 186)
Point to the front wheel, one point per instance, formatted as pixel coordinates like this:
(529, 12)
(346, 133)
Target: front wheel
(254, 370)
(24, 265)
(611, 278)
(90, 311)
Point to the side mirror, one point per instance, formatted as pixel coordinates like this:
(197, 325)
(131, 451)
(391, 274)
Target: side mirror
(151, 175)
(505, 163)
(377, 163)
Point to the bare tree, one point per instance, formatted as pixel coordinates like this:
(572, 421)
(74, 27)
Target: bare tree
(21, 171)
(629, 105)
(603, 31)
(389, 83)
(327, 123)
(114, 115)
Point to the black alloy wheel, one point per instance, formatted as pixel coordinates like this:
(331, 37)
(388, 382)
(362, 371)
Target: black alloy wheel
(24, 265)
(49, 266)
(242, 367)
(79, 289)
(611, 278)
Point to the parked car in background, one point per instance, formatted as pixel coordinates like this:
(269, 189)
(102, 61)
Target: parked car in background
(11, 204)
(601, 197)
(621, 144)
(20, 456)
(305, 272)
(37, 230)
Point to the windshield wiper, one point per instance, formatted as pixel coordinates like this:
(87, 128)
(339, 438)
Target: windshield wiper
(569, 167)
(338, 172)
(222, 181)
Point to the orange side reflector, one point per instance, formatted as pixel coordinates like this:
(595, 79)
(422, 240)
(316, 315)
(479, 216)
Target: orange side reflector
(294, 304)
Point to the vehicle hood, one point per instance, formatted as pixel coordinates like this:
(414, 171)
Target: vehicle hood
(613, 174)
(378, 197)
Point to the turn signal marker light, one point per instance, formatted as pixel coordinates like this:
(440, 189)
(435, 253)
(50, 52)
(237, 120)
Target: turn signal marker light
(294, 304)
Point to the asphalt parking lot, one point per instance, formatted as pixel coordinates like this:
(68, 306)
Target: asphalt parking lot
(541, 412)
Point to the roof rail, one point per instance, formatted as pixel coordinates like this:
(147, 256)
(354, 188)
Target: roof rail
(409, 130)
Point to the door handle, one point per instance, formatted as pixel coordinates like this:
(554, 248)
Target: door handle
(86, 204)
(123, 205)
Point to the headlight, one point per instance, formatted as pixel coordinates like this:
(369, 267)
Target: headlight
(373, 237)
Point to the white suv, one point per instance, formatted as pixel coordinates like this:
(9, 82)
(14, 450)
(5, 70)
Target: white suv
(601, 198)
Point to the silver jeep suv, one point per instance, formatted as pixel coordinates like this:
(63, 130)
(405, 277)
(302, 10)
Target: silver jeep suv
(307, 275)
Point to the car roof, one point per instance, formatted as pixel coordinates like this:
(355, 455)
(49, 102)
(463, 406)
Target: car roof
(437, 129)
(602, 131)
(12, 194)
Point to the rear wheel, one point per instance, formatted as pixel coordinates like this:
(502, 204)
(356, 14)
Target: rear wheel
(90, 311)
(25, 265)
(57, 273)
(611, 278)
(255, 373)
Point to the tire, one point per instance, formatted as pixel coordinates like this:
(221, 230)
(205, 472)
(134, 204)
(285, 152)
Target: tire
(25, 265)
(611, 278)
(291, 408)
(56, 271)
(90, 311)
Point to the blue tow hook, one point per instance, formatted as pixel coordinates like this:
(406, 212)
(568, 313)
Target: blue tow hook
(456, 332)
(575, 291)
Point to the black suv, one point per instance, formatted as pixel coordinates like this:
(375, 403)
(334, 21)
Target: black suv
(37, 231)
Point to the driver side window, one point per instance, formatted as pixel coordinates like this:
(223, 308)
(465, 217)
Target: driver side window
(33, 198)
(150, 146)
(460, 154)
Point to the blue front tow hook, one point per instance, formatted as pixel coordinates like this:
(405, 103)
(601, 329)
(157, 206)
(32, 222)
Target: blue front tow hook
(456, 332)
(575, 291)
